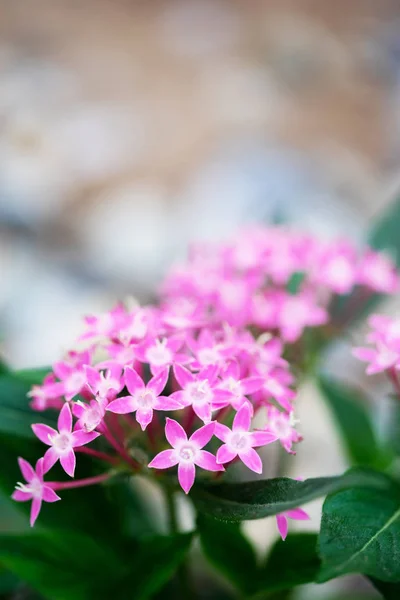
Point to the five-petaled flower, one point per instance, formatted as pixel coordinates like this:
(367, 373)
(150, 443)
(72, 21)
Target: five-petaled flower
(34, 489)
(143, 399)
(186, 453)
(297, 514)
(240, 441)
(63, 441)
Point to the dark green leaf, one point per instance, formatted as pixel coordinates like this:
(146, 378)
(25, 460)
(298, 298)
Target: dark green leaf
(32, 376)
(230, 552)
(8, 582)
(290, 563)
(70, 566)
(350, 411)
(258, 499)
(389, 591)
(360, 533)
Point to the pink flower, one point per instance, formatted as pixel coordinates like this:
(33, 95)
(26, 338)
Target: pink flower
(106, 385)
(143, 399)
(296, 514)
(207, 350)
(336, 267)
(105, 325)
(378, 272)
(62, 442)
(238, 388)
(298, 312)
(34, 489)
(282, 424)
(240, 441)
(186, 453)
(46, 395)
(198, 391)
(72, 374)
(161, 353)
(386, 339)
(90, 416)
(276, 386)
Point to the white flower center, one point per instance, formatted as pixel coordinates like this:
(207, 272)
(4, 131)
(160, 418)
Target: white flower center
(187, 453)
(208, 356)
(199, 392)
(159, 354)
(61, 441)
(340, 270)
(146, 399)
(75, 382)
(92, 418)
(34, 487)
(239, 441)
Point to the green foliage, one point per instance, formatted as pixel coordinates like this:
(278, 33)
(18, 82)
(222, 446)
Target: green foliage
(350, 411)
(70, 566)
(229, 551)
(263, 498)
(360, 533)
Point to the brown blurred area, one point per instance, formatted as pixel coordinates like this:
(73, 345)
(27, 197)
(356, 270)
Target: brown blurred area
(128, 128)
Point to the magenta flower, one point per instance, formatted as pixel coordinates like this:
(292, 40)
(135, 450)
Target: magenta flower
(297, 514)
(34, 489)
(240, 441)
(238, 387)
(336, 267)
(46, 395)
(62, 442)
(282, 424)
(105, 386)
(186, 453)
(199, 391)
(378, 272)
(298, 312)
(161, 353)
(72, 374)
(90, 416)
(143, 399)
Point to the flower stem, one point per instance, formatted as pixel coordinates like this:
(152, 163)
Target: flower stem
(65, 485)
(120, 449)
(186, 591)
(114, 460)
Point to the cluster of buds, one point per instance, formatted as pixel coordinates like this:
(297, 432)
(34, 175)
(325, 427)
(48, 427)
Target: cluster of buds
(151, 387)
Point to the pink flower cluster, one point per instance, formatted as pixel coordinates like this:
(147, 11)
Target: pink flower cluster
(193, 371)
(384, 352)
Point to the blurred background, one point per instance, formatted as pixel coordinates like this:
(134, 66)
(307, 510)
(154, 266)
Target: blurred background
(128, 128)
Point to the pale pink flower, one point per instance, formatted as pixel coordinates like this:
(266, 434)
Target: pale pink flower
(238, 387)
(276, 386)
(198, 390)
(161, 353)
(106, 324)
(63, 441)
(297, 514)
(105, 385)
(186, 453)
(34, 489)
(378, 272)
(336, 267)
(240, 441)
(71, 373)
(380, 358)
(281, 424)
(298, 312)
(143, 399)
(207, 350)
(46, 395)
(90, 416)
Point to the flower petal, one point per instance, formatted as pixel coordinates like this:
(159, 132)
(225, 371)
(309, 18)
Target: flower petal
(251, 459)
(186, 475)
(282, 525)
(249, 385)
(298, 514)
(202, 436)
(21, 496)
(39, 468)
(207, 461)
(35, 510)
(123, 406)
(242, 418)
(225, 454)
(26, 469)
(166, 403)
(49, 494)
(158, 383)
(43, 432)
(64, 422)
(164, 460)
(80, 437)
(68, 462)
(50, 458)
(183, 375)
(203, 411)
(174, 432)
(222, 432)
(133, 381)
(144, 416)
(261, 438)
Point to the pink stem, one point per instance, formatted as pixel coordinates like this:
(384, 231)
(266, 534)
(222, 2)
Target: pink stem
(100, 455)
(120, 449)
(65, 485)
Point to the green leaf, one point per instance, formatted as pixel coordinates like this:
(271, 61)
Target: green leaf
(290, 563)
(8, 582)
(349, 409)
(32, 376)
(389, 591)
(263, 498)
(229, 551)
(16, 417)
(70, 566)
(360, 533)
